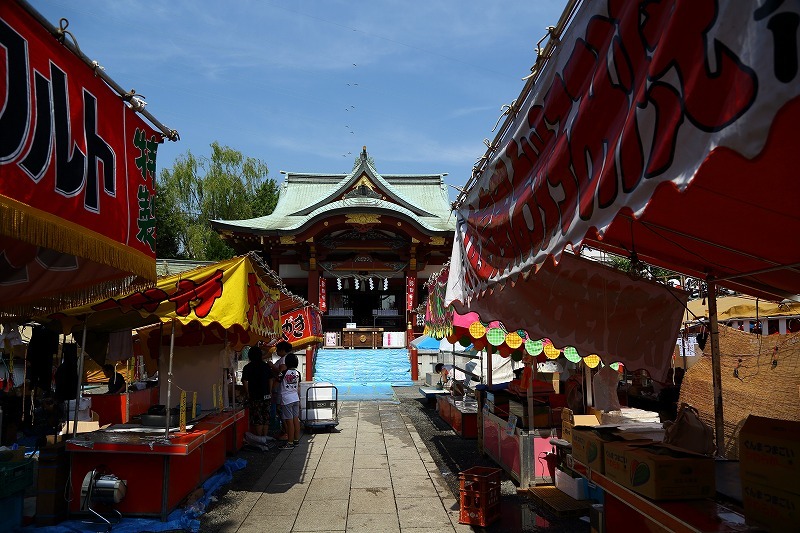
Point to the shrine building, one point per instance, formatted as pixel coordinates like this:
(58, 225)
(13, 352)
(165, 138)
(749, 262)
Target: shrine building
(360, 245)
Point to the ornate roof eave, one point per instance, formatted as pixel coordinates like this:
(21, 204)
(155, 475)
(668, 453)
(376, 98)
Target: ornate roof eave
(350, 219)
(364, 167)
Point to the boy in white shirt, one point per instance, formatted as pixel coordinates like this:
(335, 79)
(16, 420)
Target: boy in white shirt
(290, 401)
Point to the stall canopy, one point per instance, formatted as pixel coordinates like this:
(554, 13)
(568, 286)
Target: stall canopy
(239, 300)
(579, 308)
(77, 171)
(661, 131)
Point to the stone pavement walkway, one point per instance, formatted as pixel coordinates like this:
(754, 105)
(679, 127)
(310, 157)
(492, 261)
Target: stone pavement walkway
(373, 474)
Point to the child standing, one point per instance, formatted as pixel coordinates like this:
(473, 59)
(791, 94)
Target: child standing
(290, 402)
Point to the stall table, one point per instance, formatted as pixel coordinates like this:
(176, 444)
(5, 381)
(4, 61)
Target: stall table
(233, 425)
(701, 515)
(159, 473)
(431, 393)
(516, 451)
(463, 418)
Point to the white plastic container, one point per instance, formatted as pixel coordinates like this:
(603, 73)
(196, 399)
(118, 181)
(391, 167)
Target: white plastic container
(322, 403)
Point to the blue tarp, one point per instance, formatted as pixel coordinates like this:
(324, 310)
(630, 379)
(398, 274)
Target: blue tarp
(426, 343)
(187, 519)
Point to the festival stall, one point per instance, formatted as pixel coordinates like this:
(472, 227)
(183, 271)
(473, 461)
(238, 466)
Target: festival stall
(200, 317)
(639, 132)
(77, 185)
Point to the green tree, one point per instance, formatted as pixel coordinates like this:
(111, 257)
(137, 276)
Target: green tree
(265, 199)
(224, 186)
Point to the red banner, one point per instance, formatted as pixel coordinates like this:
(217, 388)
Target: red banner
(302, 326)
(76, 163)
(323, 295)
(650, 118)
(411, 292)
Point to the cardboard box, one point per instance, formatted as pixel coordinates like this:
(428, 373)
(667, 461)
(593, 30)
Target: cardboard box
(769, 453)
(568, 421)
(615, 462)
(575, 487)
(663, 472)
(770, 507)
(587, 447)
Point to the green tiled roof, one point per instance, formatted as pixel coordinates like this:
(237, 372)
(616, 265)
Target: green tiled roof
(304, 197)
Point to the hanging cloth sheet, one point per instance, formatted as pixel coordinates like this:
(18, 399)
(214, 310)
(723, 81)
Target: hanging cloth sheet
(120, 345)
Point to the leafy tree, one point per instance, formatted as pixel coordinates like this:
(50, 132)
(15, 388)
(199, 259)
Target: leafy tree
(265, 199)
(224, 186)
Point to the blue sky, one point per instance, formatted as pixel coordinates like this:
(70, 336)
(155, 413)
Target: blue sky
(304, 85)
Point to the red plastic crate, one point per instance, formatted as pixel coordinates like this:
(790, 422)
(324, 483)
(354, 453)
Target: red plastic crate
(480, 479)
(479, 508)
(479, 496)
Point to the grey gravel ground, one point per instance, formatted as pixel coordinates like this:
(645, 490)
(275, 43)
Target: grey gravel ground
(451, 453)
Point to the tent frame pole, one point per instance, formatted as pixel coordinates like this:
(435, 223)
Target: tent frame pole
(169, 379)
(716, 368)
(80, 380)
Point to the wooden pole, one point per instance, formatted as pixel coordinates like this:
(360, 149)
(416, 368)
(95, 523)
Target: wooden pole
(716, 368)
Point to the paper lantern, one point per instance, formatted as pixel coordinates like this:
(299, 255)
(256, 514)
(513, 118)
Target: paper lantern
(513, 340)
(592, 360)
(477, 330)
(550, 351)
(465, 341)
(533, 347)
(496, 336)
(516, 355)
(571, 354)
(615, 366)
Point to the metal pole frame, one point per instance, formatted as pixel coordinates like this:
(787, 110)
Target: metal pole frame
(80, 381)
(169, 379)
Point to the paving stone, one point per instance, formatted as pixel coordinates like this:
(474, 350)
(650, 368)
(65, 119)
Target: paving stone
(332, 488)
(313, 517)
(333, 469)
(279, 524)
(422, 512)
(373, 523)
(366, 478)
(372, 500)
(371, 461)
(410, 487)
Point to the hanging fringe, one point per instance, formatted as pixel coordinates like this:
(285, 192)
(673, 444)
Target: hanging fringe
(50, 304)
(22, 222)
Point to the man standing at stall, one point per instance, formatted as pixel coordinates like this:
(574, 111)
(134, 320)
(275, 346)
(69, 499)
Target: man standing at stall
(255, 379)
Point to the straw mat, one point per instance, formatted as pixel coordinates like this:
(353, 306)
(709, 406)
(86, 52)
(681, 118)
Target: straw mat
(760, 389)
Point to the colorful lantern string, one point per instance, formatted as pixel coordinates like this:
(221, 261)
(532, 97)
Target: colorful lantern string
(477, 330)
(571, 354)
(496, 336)
(591, 361)
(513, 340)
(550, 351)
(533, 347)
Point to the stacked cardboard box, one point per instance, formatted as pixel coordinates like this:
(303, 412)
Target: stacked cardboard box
(659, 471)
(569, 421)
(769, 455)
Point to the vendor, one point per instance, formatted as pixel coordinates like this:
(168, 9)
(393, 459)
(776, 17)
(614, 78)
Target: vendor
(116, 383)
(448, 382)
